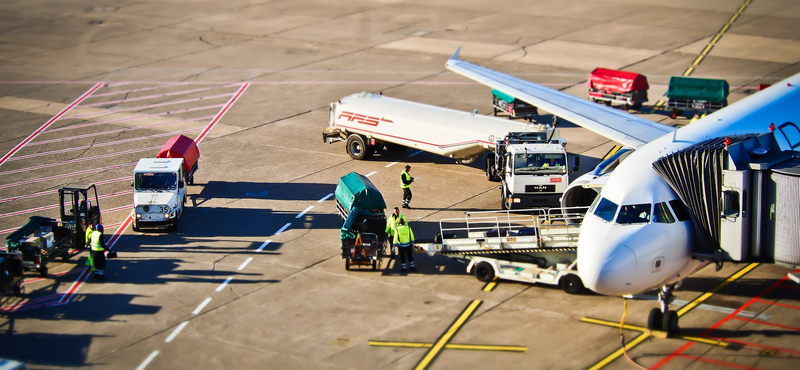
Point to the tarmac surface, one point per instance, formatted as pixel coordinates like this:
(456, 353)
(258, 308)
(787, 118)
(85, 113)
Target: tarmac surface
(253, 278)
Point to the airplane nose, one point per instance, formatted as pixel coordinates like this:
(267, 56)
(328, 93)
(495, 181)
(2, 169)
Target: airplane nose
(611, 270)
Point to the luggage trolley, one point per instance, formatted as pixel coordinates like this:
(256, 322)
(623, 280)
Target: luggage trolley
(512, 106)
(610, 85)
(698, 94)
(363, 233)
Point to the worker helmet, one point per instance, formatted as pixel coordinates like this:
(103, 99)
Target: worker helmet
(99, 228)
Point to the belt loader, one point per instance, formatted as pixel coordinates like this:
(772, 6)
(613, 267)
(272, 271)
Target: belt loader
(538, 246)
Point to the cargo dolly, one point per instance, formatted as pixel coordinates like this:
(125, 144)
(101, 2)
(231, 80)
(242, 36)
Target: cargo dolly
(698, 94)
(515, 108)
(531, 246)
(10, 274)
(363, 233)
(613, 86)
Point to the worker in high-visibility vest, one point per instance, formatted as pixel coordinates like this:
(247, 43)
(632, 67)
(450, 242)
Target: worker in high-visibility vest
(391, 224)
(405, 184)
(88, 234)
(695, 118)
(404, 239)
(97, 247)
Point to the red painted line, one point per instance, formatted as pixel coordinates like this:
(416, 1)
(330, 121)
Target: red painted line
(779, 304)
(138, 89)
(18, 306)
(33, 280)
(49, 122)
(785, 286)
(17, 213)
(221, 113)
(149, 115)
(112, 111)
(749, 344)
(126, 129)
(717, 362)
(99, 145)
(79, 160)
(67, 175)
(719, 323)
(119, 232)
(138, 98)
(768, 323)
(74, 288)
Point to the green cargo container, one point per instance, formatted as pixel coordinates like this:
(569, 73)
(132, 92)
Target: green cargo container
(355, 191)
(688, 88)
(361, 208)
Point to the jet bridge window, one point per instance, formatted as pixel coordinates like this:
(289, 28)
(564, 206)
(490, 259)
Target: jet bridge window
(662, 214)
(730, 203)
(606, 209)
(634, 214)
(538, 163)
(680, 210)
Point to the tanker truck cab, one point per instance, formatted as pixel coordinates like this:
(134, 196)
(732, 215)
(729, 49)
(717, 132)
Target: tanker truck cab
(536, 175)
(159, 193)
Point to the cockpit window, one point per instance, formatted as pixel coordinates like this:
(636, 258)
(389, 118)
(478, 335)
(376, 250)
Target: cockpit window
(606, 209)
(661, 214)
(681, 212)
(634, 214)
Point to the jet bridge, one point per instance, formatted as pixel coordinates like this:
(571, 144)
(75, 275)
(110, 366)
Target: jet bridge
(744, 195)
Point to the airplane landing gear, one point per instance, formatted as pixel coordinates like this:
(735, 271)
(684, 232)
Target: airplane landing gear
(663, 318)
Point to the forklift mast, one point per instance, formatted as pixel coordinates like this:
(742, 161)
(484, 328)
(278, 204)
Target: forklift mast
(78, 211)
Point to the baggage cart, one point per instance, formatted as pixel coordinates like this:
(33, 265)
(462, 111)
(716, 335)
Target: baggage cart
(512, 106)
(10, 273)
(363, 233)
(182, 147)
(697, 94)
(610, 85)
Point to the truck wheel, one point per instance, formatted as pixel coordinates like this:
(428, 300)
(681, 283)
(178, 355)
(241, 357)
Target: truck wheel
(571, 284)
(174, 225)
(484, 272)
(135, 225)
(357, 147)
(43, 270)
(190, 180)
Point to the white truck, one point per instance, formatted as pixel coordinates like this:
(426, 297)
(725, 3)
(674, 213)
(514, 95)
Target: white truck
(529, 158)
(539, 246)
(159, 193)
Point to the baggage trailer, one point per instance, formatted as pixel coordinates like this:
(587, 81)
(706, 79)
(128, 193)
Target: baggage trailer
(44, 239)
(515, 108)
(182, 147)
(698, 94)
(538, 246)
(610, 85)
(363, 233)
(10, 273)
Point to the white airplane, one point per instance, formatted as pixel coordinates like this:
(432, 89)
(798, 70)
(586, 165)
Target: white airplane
(619, 256)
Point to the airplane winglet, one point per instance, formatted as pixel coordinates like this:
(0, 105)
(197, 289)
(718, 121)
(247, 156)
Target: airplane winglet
(455, 55)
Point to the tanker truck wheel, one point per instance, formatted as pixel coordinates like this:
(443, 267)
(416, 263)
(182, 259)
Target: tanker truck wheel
(357, 147)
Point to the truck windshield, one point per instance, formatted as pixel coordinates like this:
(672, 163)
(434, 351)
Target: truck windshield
(156, 181)
(539, 163)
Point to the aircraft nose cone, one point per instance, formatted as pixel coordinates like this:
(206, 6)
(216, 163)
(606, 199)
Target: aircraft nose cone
(611, 271)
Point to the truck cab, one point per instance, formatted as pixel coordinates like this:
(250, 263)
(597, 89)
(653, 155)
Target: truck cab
(159, 193)
(537, 175)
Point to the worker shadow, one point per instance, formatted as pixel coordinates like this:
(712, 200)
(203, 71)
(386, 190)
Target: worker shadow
(47, 349)
(259, 190)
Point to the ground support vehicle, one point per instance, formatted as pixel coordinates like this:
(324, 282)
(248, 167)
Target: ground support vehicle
(532, 168)
(698, 94)
(159, 193)
(538, 246)
(10, 273)
(182, 147)
(515, 108)
(44, 239)
(363, 233)
(610, 85)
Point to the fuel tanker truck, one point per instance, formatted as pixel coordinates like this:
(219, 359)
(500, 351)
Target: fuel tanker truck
(529, 159)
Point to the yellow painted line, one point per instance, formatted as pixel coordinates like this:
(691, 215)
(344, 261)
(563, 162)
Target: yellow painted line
(446, 336)
(490, 285)
(733, 19)
(635, 342)
(702, 340)
(706, 49)
(716, 38)
(688, 71)
(725, 28)
(468, 347)
(613, 324)
(698, 60)
(716, 289)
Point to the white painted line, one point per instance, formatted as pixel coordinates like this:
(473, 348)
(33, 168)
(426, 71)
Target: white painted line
(176, 331)
(283, 228)
(391, 164)
(147, 360)
(266, 243)
(304, 212)
(371, 173)
(202, 305)
(224, 283)
(413, 154)
(244, 264)
(325, 198)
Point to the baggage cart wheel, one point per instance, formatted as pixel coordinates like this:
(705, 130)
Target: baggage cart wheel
(374, 265)
(65, 256)
(17, 291)
(495, 112)
(347, 263)
(636, 106)
(43, 270)
(673, 114)
(608, 103)
(625, 107)
(571, 284)
(484, 272)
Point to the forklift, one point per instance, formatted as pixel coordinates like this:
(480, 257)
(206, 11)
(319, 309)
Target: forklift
(44, 239)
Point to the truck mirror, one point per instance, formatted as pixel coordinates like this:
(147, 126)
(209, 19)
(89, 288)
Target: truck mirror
(131, 183)
(180, 184)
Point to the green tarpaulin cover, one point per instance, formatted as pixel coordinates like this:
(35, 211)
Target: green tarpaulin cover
(355, 191)
(698, 89)
(503, 96)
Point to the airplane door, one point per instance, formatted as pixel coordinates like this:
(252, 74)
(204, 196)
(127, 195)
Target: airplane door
(735, 215)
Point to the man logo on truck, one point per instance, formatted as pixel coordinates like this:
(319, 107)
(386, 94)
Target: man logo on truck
(360, 118)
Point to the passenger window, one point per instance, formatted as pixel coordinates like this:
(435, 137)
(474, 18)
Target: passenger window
(661, 214)
(634, 214)
(606, 209)
(730, 203)
(681, 212)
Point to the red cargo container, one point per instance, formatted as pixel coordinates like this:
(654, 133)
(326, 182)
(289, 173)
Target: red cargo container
(182, 147)
(609, 85)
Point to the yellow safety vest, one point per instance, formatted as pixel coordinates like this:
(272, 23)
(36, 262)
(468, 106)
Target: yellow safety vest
(89, 231)
(392, 223)
(95, 241)
(405, 176)
(403, 235)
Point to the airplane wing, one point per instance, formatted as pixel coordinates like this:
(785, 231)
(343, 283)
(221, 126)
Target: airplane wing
(614, 124)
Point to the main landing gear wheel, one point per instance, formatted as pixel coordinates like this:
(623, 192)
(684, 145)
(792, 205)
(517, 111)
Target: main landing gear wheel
(484, 272)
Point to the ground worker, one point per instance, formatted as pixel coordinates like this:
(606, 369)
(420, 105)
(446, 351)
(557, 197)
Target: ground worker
(97, 246)
(404, 239)
(391, 226)
(695, 118)
(405, 183)
(89, 230)
(704, 115)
